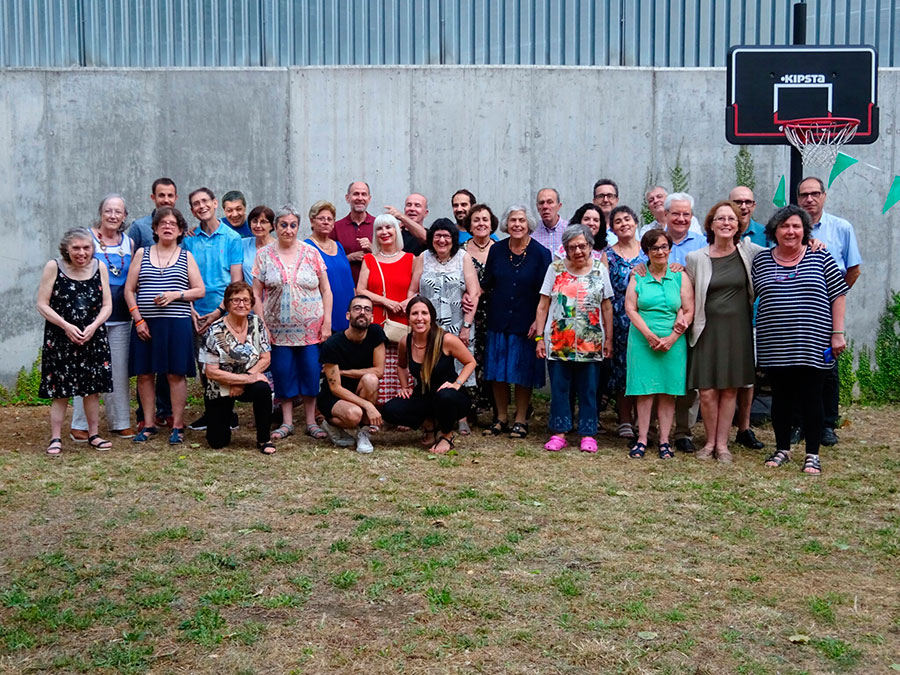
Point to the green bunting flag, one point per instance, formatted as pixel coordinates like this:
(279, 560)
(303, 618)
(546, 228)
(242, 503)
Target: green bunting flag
(780, 200)
(841, 164)
(893, 195)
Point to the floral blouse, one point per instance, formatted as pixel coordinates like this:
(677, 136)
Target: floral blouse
(292, 303)
(222, 348)
(574, 330)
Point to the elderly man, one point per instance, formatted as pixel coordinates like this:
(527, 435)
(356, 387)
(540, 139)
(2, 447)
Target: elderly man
(839, 237)
(412, 222)
(234, 204)
(746, 202)
(549, 231)
(355, 230)
(352, 364)
(462, 202)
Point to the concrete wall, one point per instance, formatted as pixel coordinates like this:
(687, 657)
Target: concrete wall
(71, 136)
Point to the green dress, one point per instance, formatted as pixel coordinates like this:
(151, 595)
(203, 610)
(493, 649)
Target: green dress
(649, 371)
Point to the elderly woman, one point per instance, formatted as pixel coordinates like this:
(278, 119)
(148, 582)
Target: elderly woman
(340, 278)
(384, 278)
(480, 223)
(721, 336)
(163, 281)
(513, 276)
(590, 216)
(575, 294)
(622, 257)
(293, 296)
(660, 305)
(75, 301)
(235, 354)
(430, 355)
(799, 328)
(114, 248)
(443, 273)
(261, 221)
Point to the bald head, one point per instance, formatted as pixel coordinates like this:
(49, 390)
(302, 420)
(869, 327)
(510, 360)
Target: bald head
(416, 207)
(743, 197)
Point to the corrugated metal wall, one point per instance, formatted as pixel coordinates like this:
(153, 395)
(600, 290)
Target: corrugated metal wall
(150, 33)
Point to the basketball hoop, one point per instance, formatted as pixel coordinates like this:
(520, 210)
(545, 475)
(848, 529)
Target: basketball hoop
(819, 139)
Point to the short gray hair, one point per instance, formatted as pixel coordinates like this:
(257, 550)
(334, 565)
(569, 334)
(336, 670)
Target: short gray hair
(678, 197)
(111, 195)
(574, 231)
(386, 219)
(532, 223)
(285, 211)
(75, 234)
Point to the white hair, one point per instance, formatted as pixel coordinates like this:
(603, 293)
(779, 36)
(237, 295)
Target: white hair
(386, 219)
(678, 197)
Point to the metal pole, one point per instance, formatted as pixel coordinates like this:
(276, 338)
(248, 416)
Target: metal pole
(796, 159)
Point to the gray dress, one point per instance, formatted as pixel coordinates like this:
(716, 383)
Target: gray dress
(723, 356)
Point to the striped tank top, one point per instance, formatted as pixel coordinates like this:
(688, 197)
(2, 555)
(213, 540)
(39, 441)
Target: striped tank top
(154, 280)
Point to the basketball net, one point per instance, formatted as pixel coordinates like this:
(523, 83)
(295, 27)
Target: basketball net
(820, 139)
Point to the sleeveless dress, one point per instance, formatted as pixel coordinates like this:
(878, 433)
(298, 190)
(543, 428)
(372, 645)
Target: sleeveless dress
(340, 278)
(619, 275)
(68, 369)
(650, 371)
(484, 393)
(444, 284)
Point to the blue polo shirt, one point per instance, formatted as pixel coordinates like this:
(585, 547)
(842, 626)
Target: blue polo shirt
(243, 231)
(756, 232)
(215, 254)
(141, 232)
(840, 238)
(691, 242)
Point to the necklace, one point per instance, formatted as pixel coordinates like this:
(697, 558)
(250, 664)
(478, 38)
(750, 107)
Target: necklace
(168, 260)
(441, 262)
(389, 256)
(524, 255)
(234, 330)
(417, 346)
(787, 260)
(479, 246)
(113, 269)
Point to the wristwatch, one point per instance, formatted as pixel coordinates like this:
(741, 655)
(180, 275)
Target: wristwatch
(466, 324)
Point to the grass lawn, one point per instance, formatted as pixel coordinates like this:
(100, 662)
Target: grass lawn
(500, 558)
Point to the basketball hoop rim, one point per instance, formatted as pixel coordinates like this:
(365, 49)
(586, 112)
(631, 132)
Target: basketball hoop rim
(820, 123)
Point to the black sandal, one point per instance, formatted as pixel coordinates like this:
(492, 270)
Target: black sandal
(428, 438)
(519, 430)
(496, 429)
(442, 439)
(637, 451)
(778, 458)
(665, 451)
(812, 462)
(98, 443)
(54, 447)
(267, 448)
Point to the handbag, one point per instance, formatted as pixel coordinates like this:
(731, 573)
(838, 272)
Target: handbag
(393, 330)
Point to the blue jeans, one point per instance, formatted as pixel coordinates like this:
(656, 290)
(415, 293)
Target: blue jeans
(564, 376)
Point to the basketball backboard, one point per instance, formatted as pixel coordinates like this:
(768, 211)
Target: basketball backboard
(768, 85)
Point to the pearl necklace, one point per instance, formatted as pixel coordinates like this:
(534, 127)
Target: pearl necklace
(390, 255)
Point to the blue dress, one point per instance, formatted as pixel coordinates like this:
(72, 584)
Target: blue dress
(340, 278)
(619, 274)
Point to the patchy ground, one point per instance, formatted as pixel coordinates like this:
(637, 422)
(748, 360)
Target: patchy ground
(501, 558)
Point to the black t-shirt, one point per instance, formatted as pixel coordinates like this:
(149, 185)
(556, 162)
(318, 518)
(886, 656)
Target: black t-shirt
(349, 355)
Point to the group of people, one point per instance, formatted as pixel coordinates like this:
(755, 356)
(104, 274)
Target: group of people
(375, 320)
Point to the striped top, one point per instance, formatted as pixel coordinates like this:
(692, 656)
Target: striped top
(793, 323)
(154, 280)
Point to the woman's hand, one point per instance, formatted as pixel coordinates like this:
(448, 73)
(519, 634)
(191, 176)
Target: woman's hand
(166, 298)
(464, 335)
(326, 332)
(143, 331)
(532, 330)
(676, 268)
(392, 306)
(450, 385)
(607, 348)
(236, 390)
(541, 349)
(405, 391)
(666, 343)
(256, 377)
(652, 340)
(74, 333)
(88, 332)
(838, 344)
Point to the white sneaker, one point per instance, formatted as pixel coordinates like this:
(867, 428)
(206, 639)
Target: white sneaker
(363, 444)
(337, 435)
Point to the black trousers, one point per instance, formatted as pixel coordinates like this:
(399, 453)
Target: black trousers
(797, 390)
(218, 414)
(445, 407)
(831, 394)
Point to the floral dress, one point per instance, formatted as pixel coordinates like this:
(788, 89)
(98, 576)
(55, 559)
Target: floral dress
(484, 395)
(68, 369)
(619, 275)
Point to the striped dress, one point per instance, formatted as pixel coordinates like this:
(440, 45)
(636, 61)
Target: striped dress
(793, 324)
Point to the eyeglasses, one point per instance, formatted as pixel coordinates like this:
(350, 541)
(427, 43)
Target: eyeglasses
(659, 249)
(725, 219)
(365, 309)
(812, 195)
(324, 219)
(744, 202)
(606, 196)
(442, 235)
(578, 247)
(263, 221)
(241, 301)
